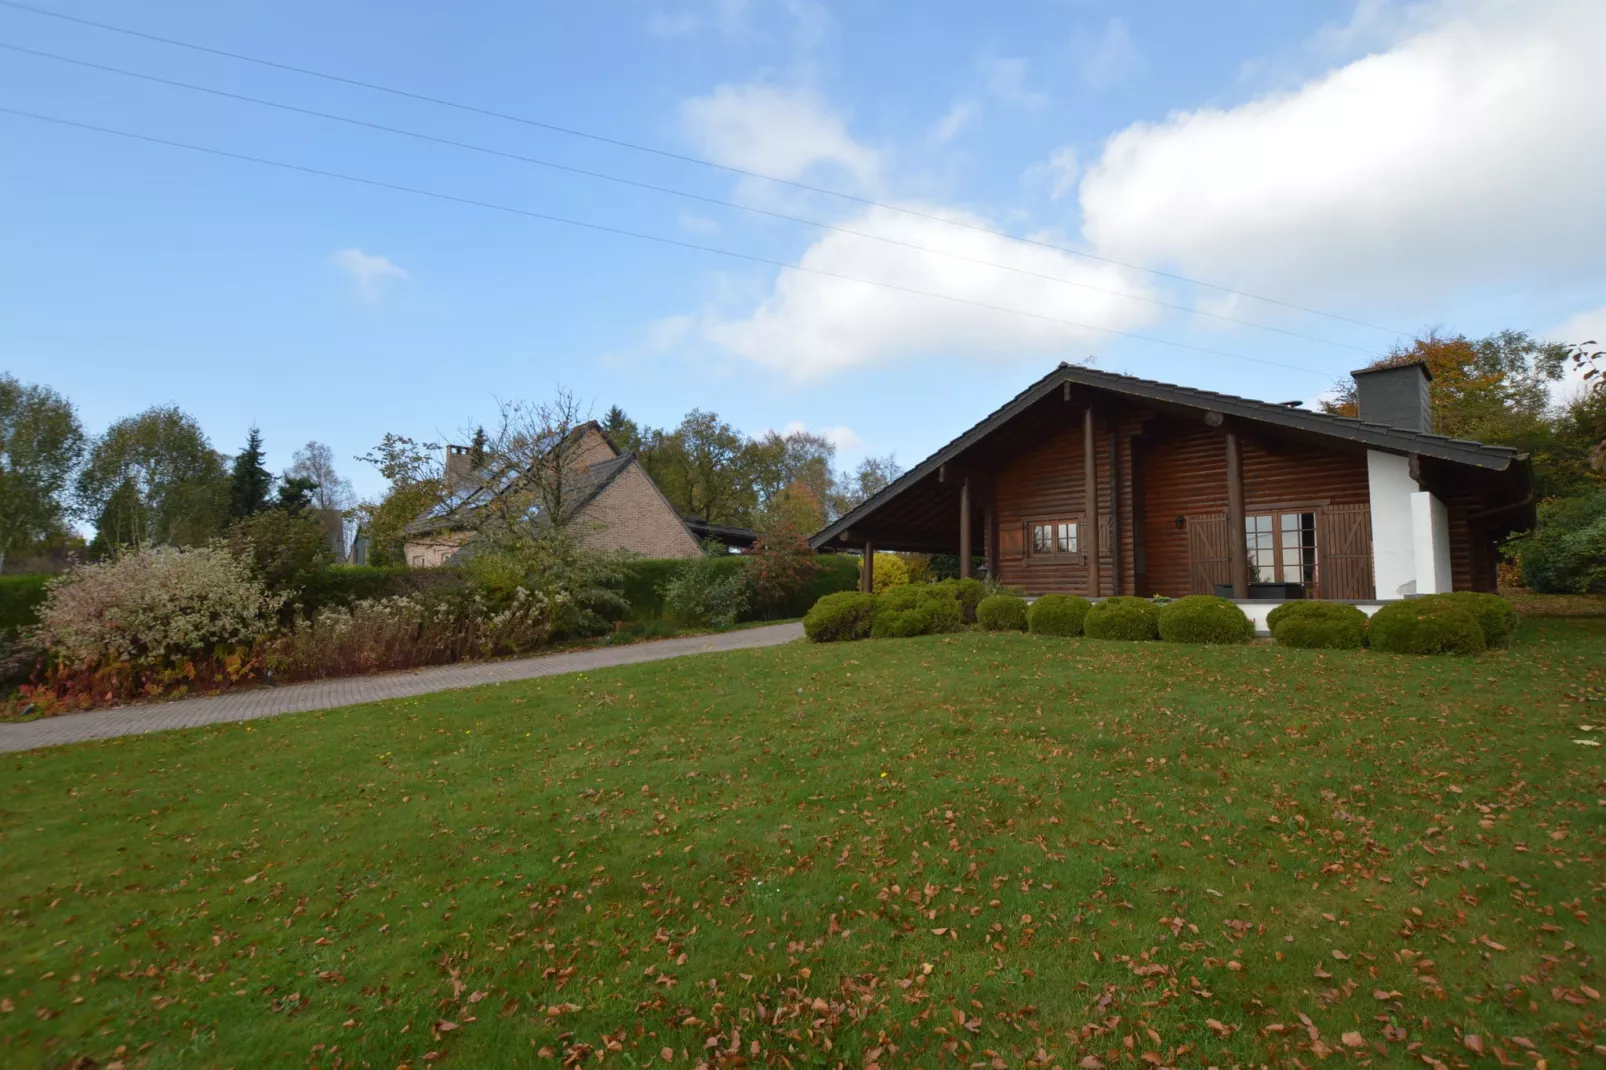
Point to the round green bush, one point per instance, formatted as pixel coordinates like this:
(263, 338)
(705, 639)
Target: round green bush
(914, 609)
(1204, 618)
(1495, 616)
(1057, 614)
(1002, 613)
(1122, 617)
(1318, 625)
(838, 617)
(1425, 626)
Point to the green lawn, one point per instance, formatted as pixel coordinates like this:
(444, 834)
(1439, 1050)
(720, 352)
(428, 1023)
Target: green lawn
(974, 850)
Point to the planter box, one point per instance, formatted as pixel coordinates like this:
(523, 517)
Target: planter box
(1266, 592)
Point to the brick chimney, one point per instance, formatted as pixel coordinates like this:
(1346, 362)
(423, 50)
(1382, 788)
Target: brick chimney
(458, 466)
(1396, 396)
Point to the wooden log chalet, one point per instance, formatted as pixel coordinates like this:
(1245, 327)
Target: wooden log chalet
(1097, 484)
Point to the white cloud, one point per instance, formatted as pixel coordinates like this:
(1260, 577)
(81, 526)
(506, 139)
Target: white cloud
(1006, 80)
(812, 325)
(776, 132)
(1469, 151)
(1110, 59)
(693, 223)
(370, 273)
(1589, 325)
(844, 438)
(961, 115)
(1057, 174)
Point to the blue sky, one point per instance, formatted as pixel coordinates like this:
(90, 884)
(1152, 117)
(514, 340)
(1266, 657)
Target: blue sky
(1403, 165)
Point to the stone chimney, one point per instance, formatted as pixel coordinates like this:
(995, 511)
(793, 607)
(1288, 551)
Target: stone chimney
(459, 467)
(1396, 396)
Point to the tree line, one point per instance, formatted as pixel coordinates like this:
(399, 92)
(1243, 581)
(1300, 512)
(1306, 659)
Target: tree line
(150, 479)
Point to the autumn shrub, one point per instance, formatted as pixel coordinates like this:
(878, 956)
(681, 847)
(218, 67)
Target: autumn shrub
(705, 594)
(838, 617)
(282, 547)
(915, 610)
(407, 632)
(1002, 613)
(781, 564)
(889, 571)
(1122, 617)
(1310, 625)
(1495, 616)
(155, 607)
(1057, 614)
(1203, 618)
(1566, 552)
(1425, 626)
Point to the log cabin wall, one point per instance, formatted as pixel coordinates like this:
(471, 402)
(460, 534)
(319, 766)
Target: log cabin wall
(1187, 476)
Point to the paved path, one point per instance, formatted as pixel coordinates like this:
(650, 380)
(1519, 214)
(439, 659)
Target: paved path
(323, 694)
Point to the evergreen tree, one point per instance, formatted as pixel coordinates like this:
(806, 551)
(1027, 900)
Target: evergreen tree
(476, 450)
(621, 430)
(296, 493)
(251, 482)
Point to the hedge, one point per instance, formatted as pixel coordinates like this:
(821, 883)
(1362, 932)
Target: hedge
(1122, 617)
(20, 598)
(644, 577)
(1318, 625)
(837, 617)
(1204, 618)
(1425, 626)
(1002, 613)
(341, 585)
(1495, 616)
(1057, 614)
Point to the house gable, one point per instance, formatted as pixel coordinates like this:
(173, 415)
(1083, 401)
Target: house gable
(630, 513)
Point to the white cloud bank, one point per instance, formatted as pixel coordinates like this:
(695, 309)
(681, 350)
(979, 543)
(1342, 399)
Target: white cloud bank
(812, 324)
(371, 274)
(777, 132)
(1469, 151)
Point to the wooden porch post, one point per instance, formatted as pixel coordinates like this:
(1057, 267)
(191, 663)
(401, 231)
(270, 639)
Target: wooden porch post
(1090, 490)
(989, 535)
(1237, 545)
(867, 569)
(964, 528)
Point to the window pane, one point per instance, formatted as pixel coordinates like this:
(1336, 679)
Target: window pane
(1041, 540)
(1067, 539)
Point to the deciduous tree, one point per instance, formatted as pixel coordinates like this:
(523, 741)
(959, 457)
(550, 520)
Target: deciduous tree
(41, 443)
(154, 479)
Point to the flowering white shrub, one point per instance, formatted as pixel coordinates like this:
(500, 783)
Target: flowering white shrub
(154, 605)
(402, 632)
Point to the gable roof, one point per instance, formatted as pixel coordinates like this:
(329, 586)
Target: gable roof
(1371, 435)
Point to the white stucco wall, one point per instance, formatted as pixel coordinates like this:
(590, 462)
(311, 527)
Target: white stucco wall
(1393, 535)
(1430, 533)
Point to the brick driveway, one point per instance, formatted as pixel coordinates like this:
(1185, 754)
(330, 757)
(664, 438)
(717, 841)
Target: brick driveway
(323, 694)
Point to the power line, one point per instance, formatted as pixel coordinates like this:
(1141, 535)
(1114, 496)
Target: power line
(620, 231)
(190, 86)
(680, 157)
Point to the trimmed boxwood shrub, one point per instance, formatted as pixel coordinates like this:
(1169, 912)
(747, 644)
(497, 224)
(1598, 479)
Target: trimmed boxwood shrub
(1057, 614)
(1122, 617)
(914, 609)
(1318, 626)
(838, 617)
(1425, 626)
(1495, 616)
(1002, 613)
(1204, 618)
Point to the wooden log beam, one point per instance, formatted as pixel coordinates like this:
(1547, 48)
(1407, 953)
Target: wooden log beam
(867, 569)
(964, 529)
(989, 534)
(1237, 543)
(1090, 490)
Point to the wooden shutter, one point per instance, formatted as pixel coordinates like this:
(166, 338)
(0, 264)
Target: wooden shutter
(1105, 539)
(1012, 540)
(1344, 552)
(1208, 552)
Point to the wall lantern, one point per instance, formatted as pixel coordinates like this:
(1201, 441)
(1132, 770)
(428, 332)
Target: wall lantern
(1182, 522)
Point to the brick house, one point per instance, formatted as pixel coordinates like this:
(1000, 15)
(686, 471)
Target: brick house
(613, 505)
